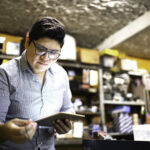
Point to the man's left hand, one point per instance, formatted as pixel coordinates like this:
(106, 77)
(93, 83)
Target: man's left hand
(62, 126)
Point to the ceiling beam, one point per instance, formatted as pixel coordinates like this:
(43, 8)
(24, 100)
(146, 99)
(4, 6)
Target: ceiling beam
(125, 33)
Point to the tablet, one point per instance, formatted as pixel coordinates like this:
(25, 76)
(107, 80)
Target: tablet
(47, 121)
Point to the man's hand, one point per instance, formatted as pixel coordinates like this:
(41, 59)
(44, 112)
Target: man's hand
(62, 126)
(18, 131)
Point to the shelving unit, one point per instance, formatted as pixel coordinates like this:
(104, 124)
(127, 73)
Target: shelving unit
(132, 103)
(2, 56)
(87, 113)
(100, 101)
(67, 144)
(111, 104)
(77, 65)
(81, 92)
(89, 94)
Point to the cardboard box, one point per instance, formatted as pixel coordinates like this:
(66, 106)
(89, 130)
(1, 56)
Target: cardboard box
(68, 51)
(107, 61)
(89, 56)
(127, 65)
(9, 44)
(110, 52)
(108, 57)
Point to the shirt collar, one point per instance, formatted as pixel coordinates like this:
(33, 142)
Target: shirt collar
(24, 62)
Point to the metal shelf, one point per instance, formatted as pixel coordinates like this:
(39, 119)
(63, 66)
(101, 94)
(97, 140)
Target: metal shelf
(68, 141)
(77, 65)
(88, 113)
(133, 73)
(64, 63)
(2, 56)
(124, 103)
(120, 134)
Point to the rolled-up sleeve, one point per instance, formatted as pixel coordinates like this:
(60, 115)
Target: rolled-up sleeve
(4, 95)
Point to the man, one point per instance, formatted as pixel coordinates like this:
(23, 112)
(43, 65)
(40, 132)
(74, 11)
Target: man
(34, 86)
(17, 130)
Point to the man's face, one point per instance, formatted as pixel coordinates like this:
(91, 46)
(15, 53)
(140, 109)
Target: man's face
(41, 63)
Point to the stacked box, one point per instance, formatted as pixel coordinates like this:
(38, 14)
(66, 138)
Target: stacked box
(89, 56)
(123, 123)
(10, 44)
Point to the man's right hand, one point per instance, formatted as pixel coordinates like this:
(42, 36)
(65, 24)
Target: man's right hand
(17, 130)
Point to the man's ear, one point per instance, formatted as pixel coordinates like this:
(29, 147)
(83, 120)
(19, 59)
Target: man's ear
(27, 40)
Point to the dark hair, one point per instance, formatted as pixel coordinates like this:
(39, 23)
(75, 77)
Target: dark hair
(47, 27)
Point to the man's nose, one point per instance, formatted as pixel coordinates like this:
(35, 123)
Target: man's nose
(45, 56)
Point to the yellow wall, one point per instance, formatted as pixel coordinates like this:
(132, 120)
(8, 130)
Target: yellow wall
(142, 63)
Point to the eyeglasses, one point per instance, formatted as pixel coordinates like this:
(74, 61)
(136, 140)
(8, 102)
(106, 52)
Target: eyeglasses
(40, 50)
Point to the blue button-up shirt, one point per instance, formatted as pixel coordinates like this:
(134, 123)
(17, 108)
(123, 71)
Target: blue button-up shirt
(23, 96)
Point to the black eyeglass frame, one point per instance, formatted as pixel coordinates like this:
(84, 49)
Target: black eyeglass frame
(44, 50)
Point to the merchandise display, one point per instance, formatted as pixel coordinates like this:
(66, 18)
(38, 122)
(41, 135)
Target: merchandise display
(83, 79)
(110, 101)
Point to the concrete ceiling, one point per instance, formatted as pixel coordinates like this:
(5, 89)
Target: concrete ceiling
(89, 21)
(137, 46)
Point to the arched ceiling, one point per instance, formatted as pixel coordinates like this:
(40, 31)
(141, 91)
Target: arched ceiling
(89, 21)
